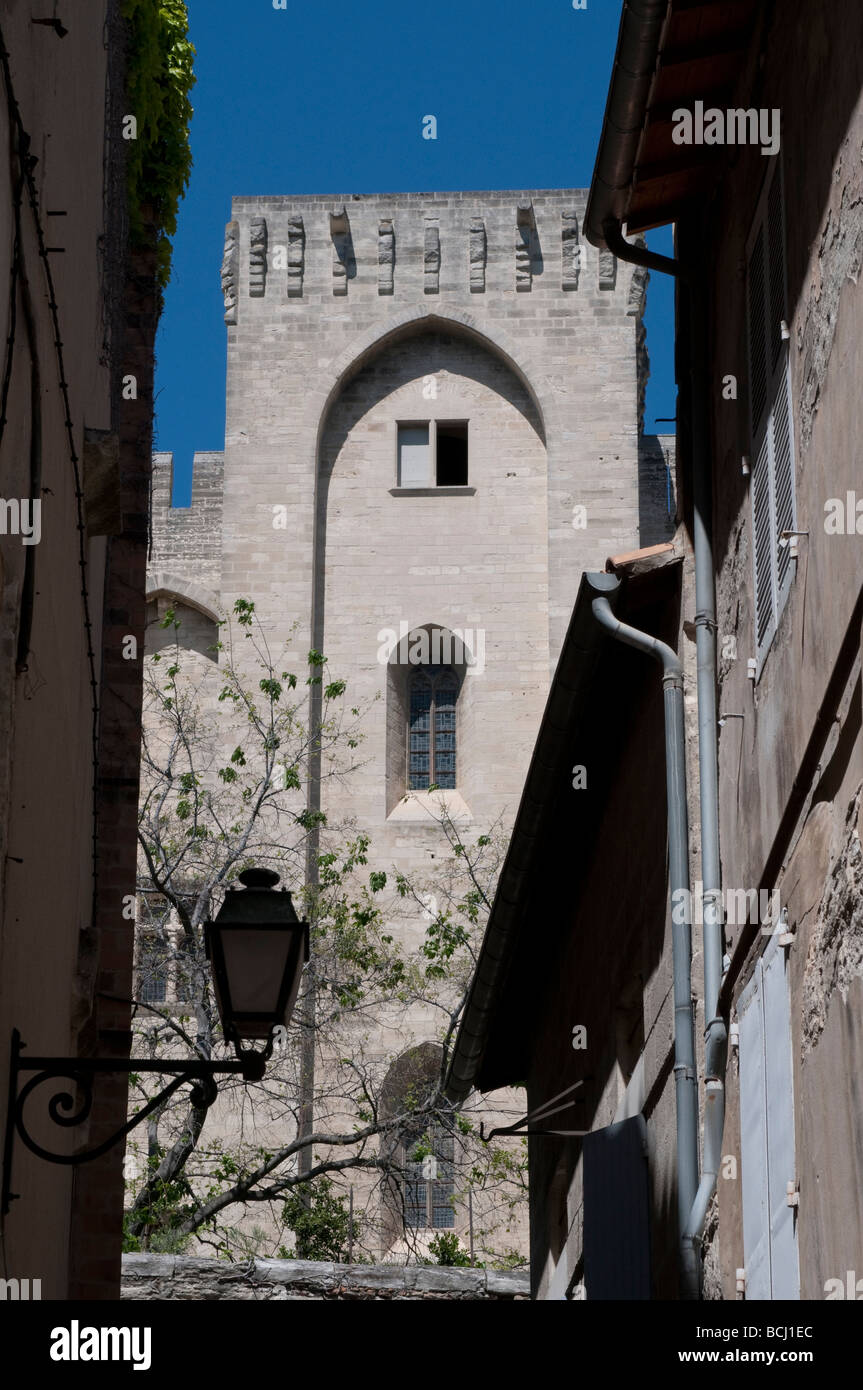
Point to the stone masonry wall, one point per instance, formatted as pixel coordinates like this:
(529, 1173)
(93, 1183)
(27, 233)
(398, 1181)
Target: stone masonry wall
(346, 316)
(180, 1277)
(187, 541)
(791, 763)
(566, 322)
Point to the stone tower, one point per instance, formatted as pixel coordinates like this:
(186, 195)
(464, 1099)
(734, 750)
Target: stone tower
(433, 426)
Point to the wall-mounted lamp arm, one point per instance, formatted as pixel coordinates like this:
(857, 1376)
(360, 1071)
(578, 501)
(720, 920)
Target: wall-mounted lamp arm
(81, 1071)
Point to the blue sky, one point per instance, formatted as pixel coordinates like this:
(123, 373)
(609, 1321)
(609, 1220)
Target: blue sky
(329, 98)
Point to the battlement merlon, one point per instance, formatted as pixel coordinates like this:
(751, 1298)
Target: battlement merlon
(188, 540)
(409, 245)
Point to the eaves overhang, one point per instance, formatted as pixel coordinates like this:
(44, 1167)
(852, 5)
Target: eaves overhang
(492, 1045)
(569, 692)
(670, 54)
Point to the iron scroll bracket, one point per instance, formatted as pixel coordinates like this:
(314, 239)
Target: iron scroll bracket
(65, 1111)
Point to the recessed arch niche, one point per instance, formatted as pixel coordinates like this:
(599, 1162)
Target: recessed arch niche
(385, 557)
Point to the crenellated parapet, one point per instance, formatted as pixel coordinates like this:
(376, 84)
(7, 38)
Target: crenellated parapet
(350, 316)
(314, 249)
(187, 541)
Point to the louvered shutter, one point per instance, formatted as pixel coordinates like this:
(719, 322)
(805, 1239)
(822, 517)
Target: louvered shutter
(780, 390)
(762, 510)
(775, 268)
(756, 303)
(762, 531)
(783, 480)
(773, 507)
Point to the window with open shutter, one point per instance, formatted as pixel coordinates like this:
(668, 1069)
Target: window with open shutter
(767, 1153)
(617, 1211)
(772, 436)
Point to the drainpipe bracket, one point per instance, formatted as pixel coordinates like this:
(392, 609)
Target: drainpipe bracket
(688, 1073)
(705, 619)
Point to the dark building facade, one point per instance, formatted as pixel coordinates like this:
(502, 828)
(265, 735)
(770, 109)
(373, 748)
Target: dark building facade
(75, 444)
(741, 124)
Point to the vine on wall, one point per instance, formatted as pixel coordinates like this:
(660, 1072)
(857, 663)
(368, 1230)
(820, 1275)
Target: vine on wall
(159, 78)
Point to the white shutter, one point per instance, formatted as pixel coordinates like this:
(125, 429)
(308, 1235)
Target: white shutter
(784, 1265)
(767, 1131)
(753, 1141)
(414, 465)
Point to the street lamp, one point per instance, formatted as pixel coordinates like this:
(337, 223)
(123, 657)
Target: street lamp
(257, 947)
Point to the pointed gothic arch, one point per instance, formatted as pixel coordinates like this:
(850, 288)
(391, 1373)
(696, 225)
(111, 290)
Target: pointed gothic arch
(413, 323)
(429, 660)
(196, 609)
(414, 1199)
(366, 392)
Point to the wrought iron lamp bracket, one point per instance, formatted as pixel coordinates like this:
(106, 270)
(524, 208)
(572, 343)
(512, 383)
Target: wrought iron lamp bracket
(65, 1111)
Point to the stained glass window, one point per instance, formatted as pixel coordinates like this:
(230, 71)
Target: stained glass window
(428, 1200)
(153, 970)
(432, 728)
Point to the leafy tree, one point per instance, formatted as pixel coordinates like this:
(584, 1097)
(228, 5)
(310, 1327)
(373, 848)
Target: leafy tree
(448, 1250)
(240, 757)
(320, 1222)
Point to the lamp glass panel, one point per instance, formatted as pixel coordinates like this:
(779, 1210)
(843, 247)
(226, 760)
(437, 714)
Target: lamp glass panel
(255, 964)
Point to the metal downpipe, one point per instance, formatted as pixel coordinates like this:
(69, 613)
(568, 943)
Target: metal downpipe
(637, 255)
(716, 1036)
(685, 1073)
